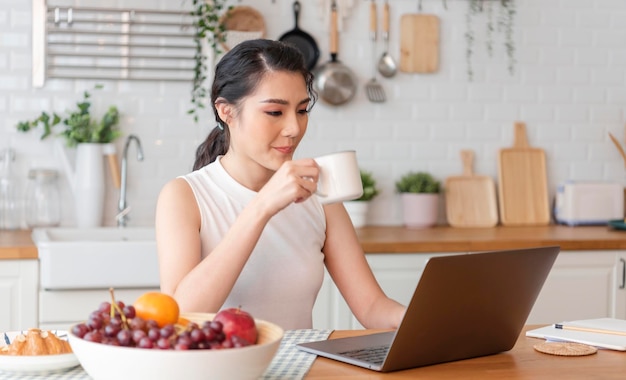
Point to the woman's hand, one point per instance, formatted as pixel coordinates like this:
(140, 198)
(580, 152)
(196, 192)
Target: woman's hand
(295, 181)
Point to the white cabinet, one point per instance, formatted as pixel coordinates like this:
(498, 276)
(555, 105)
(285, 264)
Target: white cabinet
(18, 294)
(582, 284)
(59, 309)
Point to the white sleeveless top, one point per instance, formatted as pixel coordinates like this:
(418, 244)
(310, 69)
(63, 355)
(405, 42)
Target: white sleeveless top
(284, 273)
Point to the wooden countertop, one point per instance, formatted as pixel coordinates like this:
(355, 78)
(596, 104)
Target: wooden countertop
(521, 362)
(396, 239)
(449, 239)
(17, 245)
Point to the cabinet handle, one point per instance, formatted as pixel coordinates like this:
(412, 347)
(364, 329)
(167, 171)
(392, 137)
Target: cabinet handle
(623, 284)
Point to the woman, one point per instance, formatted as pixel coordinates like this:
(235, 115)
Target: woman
(242, 230)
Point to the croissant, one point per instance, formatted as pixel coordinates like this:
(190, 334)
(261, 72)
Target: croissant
(36, 342)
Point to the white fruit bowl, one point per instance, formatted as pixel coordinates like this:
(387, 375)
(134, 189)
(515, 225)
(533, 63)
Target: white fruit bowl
(104, 362)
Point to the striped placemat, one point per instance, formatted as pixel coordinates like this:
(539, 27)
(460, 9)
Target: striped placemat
(289, 363)
(76, 373)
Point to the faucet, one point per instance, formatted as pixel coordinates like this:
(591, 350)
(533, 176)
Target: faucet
(122, 208)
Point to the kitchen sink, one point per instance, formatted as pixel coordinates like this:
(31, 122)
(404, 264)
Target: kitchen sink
(95, 258)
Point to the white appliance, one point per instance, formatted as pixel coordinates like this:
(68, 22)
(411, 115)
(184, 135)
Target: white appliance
(588, 203)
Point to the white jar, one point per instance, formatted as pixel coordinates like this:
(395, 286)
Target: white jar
(43, 199)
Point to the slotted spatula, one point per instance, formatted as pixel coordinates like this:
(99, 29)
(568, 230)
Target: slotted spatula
(374, 90)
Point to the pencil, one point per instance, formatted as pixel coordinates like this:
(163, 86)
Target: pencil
(585, 329)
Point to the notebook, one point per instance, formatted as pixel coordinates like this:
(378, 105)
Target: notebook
(464, 306)
(602, 332)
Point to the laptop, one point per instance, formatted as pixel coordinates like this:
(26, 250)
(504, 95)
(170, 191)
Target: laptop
(464, 306)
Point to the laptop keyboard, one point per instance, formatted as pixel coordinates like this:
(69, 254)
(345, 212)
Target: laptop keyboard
(375, 355)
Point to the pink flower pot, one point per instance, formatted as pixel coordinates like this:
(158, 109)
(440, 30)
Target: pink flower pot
(420, 210)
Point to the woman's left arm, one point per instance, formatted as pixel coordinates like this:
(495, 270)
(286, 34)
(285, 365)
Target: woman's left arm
(346, 264)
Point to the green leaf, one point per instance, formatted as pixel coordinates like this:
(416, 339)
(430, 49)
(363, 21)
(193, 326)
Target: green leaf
(419, 182)
(79, 127)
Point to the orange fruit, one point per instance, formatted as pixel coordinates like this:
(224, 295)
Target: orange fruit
(182, 321)
(160, 307)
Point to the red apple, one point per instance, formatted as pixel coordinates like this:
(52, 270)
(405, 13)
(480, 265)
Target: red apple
(237, 322)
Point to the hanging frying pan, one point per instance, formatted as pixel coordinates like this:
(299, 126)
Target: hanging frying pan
(334, 82)
(302, 40)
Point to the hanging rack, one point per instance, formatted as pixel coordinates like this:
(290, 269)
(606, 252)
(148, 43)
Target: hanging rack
(111, 43)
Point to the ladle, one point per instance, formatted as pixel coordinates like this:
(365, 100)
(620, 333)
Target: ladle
(386, 65)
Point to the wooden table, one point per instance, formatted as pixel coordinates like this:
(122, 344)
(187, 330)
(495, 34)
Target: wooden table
(522, 362)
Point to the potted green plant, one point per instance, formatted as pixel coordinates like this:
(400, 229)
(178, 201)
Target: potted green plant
(419, 192)
(92, 139)
(358, 208)
(78, 126)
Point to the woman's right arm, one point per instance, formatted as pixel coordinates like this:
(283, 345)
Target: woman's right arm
(200, 285)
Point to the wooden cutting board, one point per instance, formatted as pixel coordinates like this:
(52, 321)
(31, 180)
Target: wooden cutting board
(471, 199)
(419, 43)
(522, 185)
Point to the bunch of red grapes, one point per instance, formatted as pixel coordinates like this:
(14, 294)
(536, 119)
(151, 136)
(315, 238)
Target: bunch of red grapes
(118, 325)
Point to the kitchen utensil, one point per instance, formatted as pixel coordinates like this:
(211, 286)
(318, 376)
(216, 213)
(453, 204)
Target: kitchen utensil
(471, 199)
(419, 43)
(241, 23)
(619, 147)
(373, 89)
(114, 168)
(302, 40)
(387, 66)
(522, 185)
(335, 83)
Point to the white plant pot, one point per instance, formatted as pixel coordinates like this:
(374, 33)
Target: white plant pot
(357, 210)
(420, 210)
(86, 177)
(90, 185)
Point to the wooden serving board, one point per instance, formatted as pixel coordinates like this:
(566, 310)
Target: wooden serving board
(419, 43)
(522, 185)
(471, 199)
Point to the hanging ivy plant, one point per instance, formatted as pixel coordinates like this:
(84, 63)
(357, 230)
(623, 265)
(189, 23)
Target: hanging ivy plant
(505, 24)
(208, 29)
(508, 10)
(490, 28)
(474, 8)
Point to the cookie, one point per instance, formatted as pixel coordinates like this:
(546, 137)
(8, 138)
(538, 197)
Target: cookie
(565, 348)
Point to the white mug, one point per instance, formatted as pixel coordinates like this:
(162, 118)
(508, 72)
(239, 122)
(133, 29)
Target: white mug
(340, 178)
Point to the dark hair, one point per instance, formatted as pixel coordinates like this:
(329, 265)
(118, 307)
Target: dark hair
(236, 76)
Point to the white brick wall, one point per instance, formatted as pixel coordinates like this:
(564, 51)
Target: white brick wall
(569, 86)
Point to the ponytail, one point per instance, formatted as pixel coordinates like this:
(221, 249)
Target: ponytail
(216, 144)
